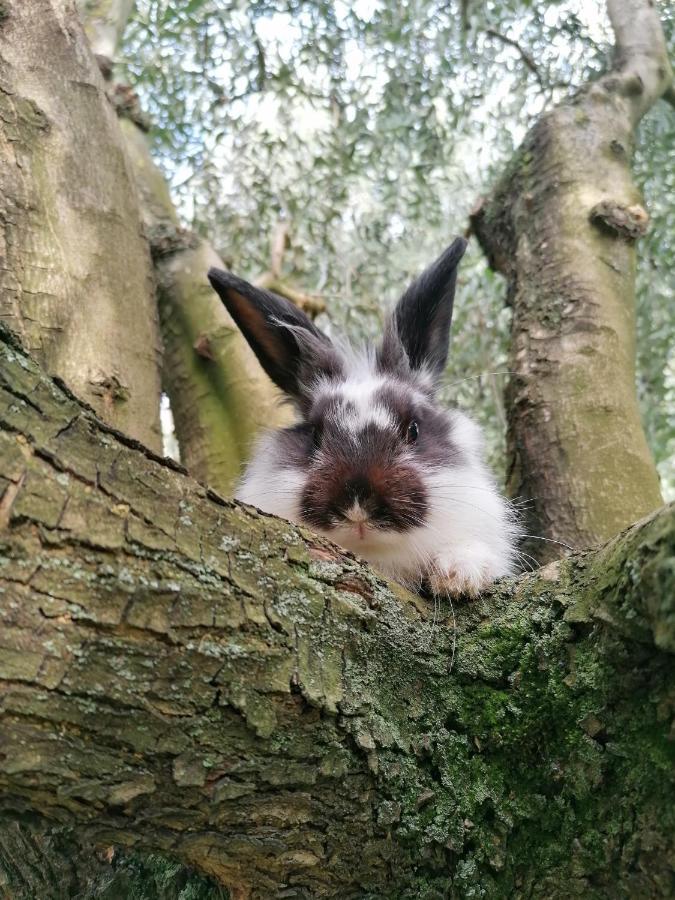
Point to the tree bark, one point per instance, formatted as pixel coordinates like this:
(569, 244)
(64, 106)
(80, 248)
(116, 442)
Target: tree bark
(75, 271)
(220, 397)
(561, 225)
(180, 673)
(46, 864)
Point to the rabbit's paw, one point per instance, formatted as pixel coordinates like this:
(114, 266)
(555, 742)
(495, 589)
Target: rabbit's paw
(464, 573)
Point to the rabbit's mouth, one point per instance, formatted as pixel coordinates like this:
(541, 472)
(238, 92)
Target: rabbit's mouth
(359, 530)
(358, 519)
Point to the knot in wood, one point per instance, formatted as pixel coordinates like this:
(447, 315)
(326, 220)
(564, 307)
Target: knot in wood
(629, 222)
(126, 103)
(166, 239)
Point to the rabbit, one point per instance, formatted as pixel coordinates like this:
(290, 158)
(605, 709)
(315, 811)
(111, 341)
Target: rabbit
(373, 462)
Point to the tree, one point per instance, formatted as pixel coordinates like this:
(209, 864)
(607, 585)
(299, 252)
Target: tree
(183, 675)
(562, 226)
(62, 212)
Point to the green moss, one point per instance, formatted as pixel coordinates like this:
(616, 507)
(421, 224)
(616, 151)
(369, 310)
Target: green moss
(22, 117)
(531, 759)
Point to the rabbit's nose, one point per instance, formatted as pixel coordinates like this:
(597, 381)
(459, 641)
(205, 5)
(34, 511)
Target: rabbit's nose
(356, 500)
(356, 513)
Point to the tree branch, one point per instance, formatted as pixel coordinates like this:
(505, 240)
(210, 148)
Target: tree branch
(641, 55)
(561, 225)
(75, 279)
(104, 24)
(308, 303)
(220, 397)
(526, 57)
(274, 280)
(278, 245)
(179, 673)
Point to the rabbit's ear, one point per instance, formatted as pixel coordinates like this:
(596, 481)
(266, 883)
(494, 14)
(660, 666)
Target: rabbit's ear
(420, 324)
(292, 351)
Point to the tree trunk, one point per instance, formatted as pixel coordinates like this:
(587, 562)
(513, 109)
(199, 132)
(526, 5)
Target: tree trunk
(75, 272)
(561, 225)
(183, 674)
(221, 398)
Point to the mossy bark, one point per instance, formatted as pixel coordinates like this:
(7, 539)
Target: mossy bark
(47, 864)
(75, 271)
(182, 674)
(561, 225)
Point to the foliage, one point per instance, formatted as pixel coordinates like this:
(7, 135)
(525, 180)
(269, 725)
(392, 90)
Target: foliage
(656, 290)
(372, 128)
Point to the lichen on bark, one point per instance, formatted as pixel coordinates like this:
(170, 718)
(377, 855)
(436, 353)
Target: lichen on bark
(180, 674)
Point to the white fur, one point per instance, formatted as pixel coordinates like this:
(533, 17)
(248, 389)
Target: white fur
(466, 542)
(362, 408)
(469, 535)
(273, 488)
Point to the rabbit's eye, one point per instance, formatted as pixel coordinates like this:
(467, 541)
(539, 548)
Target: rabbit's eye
(412, 432)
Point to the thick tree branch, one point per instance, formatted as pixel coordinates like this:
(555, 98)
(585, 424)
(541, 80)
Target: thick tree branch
(641, 55)
(75, 275)
(104, 24)
(179, 673)
(220, 397)
(561, 225)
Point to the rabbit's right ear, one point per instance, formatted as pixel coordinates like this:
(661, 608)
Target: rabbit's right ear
(418, 332)
(289, 347)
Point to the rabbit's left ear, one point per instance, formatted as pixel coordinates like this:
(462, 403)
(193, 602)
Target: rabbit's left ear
(288, 345)
(420, 324)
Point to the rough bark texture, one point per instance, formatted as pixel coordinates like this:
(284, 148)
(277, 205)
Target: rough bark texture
(561, 226)
(75, 271)
(220, 396)
(182, 674)
(47, 864)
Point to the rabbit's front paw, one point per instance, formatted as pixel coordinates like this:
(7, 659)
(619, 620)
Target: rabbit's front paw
(462, 574)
